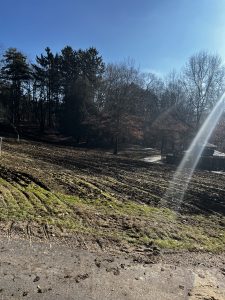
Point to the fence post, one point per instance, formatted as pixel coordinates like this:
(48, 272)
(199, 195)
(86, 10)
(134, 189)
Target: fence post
(0, 146)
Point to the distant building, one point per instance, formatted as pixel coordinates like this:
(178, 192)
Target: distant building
(209, 150)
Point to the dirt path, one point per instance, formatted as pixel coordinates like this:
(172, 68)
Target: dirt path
(62, 272)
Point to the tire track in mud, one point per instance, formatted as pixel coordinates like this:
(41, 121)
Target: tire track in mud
(27, 208)
(38, 178)
(153, 191)
(125, 178)
(23, 194)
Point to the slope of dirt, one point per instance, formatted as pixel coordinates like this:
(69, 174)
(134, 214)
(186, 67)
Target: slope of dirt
(86, 223)
(55, 191)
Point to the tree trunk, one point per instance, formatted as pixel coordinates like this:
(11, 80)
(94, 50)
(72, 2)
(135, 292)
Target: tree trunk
(115, 151)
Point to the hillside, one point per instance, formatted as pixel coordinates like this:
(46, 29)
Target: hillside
(88, 223)
(56, 192)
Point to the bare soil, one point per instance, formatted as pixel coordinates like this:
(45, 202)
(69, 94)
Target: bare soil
(85, 224)
(43, 271)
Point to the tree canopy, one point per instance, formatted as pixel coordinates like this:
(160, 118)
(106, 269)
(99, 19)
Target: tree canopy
(77, 94)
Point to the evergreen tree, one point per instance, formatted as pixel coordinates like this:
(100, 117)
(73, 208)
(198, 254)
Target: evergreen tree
(47, 79)
(80, 74)
(15, 72)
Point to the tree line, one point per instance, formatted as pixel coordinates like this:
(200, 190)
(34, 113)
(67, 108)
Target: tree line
(77, 94)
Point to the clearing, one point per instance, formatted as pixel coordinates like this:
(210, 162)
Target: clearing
(93, 200)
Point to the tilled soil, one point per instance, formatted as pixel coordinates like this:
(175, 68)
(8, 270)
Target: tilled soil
(35, 178)
(125, 178)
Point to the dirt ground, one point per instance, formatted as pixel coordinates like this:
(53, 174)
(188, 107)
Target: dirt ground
(122, 175)
(85, 224)
(44, 271)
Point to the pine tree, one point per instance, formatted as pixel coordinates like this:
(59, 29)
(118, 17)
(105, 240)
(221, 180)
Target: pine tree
(47, 77)
(15, 72)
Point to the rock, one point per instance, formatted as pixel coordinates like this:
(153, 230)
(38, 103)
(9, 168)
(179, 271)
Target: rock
(116, 272)
(149, 244)
(139, 278)
(156, 250)
(181, 287)
(25, 294)
(138, 259)
(148, 261)
(100, 243)
(97, 263)
(37, 278)
(222, 270)
(148, 250)
(110, 260)
(80, 277)
(39, 290)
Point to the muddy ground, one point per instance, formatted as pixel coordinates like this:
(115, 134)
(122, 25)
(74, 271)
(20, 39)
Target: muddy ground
(122, 175)
(93, 225)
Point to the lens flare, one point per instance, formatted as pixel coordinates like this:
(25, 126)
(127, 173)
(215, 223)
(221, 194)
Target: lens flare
(178, 186)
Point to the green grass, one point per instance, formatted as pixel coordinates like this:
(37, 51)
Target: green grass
(107, 216)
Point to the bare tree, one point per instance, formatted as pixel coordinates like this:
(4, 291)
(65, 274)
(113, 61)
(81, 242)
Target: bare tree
(204, 83)
(121, 86)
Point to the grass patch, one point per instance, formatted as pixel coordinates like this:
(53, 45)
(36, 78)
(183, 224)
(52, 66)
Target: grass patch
(107, 216)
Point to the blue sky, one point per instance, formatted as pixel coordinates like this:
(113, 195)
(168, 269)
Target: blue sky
(159, 35)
